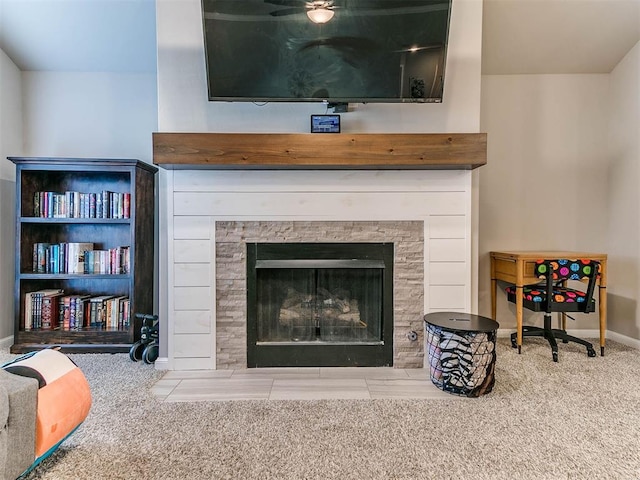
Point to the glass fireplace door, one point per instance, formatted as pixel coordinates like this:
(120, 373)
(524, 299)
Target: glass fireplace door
(319, 311)
(334, 305)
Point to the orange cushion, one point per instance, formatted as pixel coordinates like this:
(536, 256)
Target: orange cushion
(64, 396)
(62, 406)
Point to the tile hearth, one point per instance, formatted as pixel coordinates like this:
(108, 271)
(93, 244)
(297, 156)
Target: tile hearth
(314, 383)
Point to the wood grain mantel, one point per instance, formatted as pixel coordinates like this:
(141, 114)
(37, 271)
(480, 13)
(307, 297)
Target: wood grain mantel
(463, 151)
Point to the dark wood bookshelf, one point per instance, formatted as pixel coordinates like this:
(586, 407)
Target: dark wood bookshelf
(87, 175)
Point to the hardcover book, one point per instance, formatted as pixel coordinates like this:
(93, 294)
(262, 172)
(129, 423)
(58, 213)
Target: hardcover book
(97, 310)
(76, 256)
(50, 310)
(32, 307)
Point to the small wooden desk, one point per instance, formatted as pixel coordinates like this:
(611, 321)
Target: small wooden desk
(517, 268)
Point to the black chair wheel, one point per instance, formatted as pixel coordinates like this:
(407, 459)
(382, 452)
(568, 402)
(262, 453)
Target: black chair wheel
(564, 340)
(555, 356)
(513, 343)
(150, 353)
(135, 352)
(591, 352)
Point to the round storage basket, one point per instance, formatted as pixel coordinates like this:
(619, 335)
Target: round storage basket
(461, 361)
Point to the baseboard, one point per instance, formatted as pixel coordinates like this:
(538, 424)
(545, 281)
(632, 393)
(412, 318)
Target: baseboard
(162, 363)
(6, 342)
(588, 333)
(628, 341)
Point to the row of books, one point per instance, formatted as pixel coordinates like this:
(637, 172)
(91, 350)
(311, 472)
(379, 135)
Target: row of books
(79, 257)
(51, 309)
(72, 204)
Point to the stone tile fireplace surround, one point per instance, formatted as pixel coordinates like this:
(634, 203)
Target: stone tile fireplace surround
(231, 302)
(212, 211)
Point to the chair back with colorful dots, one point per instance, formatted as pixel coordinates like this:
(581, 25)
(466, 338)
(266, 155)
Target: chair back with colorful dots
(560, 270)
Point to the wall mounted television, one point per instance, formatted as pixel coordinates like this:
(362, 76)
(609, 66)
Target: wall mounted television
(370, 51)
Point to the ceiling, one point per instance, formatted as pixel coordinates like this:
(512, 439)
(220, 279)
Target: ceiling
(519, 36)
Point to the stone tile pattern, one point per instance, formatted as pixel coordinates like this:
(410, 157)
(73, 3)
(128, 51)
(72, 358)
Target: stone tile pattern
(408, 290)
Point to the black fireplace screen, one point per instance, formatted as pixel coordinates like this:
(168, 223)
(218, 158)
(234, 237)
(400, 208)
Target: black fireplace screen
(319, 304)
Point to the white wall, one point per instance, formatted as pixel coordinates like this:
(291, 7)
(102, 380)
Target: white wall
(544, 186)
(10, 144)
(10, 115)
(89, 114)
(623, 200)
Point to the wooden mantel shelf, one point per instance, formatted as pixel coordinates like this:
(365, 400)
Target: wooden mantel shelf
(463, 151)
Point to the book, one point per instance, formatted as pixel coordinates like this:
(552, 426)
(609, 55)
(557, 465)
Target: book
(27, 318)
(76, 256)
(54, 258)
(92, 205)
(64, 314)
(36, 310)
(126, 205)
(125, 260)
(108, 304)
(72, 313)
(85, 205)
(106, 204)
(36, 204)
(114, 310)
(76, 204)
(80, 309)
(40, 257)
(97, 310)
(62, 257)
(50, 310)
(32, 307)
(126, 315)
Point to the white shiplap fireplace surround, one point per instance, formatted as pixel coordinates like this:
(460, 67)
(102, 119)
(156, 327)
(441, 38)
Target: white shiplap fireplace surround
(218, 200)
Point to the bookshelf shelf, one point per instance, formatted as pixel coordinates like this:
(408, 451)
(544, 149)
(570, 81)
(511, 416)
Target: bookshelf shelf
(107, 204)
(88, 221)
(71, 276)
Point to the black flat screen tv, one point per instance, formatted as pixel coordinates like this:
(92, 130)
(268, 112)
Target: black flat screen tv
(370, 51)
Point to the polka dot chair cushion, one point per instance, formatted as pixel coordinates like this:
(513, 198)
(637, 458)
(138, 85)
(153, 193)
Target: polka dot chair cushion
(535, 296)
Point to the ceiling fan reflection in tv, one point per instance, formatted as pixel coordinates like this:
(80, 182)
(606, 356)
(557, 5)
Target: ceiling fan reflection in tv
(320, 11)
(352, 51)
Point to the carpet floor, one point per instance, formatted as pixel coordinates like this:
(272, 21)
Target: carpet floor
(576, 419)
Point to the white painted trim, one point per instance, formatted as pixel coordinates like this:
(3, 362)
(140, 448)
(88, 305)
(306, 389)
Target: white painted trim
(589, 334)
(6, 342)
(161, 363)
(618, 337)
(169, 266)
(426, 266)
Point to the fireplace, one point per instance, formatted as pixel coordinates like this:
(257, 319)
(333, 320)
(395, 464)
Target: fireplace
(319, 304)
(214, 214)
(221, 191)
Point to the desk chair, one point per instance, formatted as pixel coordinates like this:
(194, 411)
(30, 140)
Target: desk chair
(554, 275)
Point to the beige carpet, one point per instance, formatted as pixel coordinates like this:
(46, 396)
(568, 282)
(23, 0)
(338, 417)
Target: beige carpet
(576, 419)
